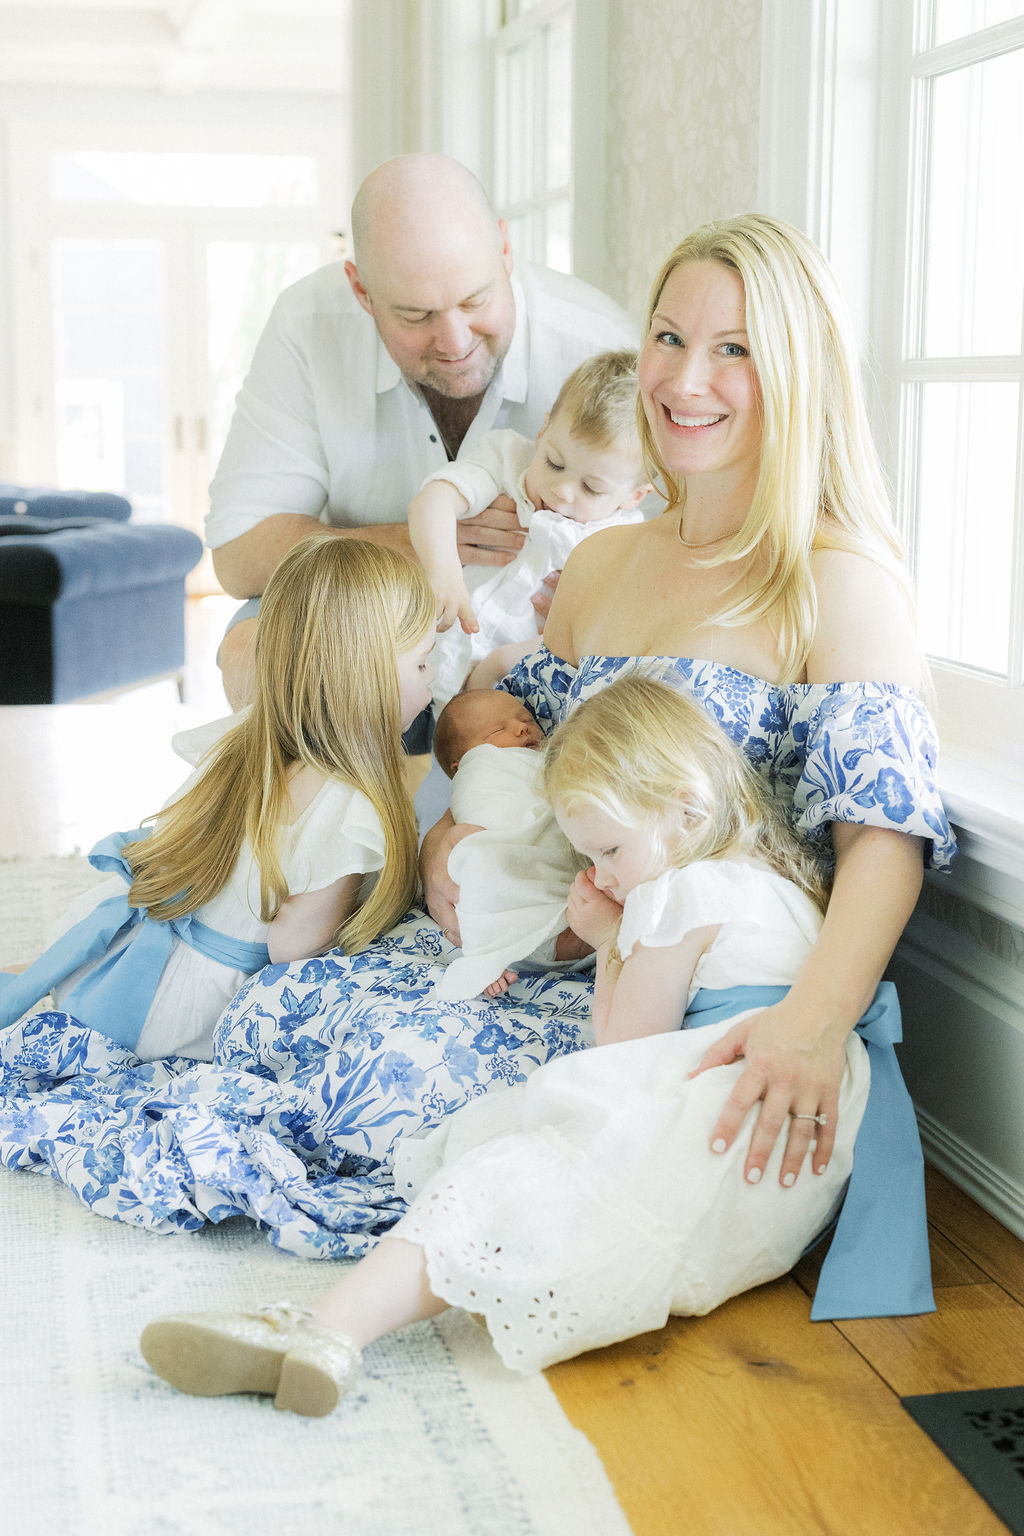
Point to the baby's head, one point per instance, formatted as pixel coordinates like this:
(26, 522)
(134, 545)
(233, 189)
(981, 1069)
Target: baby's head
(588, 462)
(479, 716)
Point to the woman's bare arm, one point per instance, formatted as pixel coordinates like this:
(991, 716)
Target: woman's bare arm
(795, 1051)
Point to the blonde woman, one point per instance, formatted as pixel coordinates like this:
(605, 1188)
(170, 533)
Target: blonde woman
(584, 1206)
(296, 833)
(771, 590)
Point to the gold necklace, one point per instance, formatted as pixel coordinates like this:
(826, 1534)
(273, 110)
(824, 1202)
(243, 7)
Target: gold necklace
(707, 544)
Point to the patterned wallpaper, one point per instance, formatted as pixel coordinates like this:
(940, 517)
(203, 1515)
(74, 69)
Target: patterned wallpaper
(682, 127)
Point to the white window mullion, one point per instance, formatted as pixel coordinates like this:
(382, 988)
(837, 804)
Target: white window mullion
(534, 204)
(1016, 664)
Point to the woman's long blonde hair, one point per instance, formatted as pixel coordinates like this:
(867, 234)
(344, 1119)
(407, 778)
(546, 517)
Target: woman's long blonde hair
(650, 758)
(336, 615)
(820, 484)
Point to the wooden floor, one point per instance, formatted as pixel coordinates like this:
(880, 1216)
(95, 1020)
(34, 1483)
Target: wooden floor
(751, 1422)
(756, 1422)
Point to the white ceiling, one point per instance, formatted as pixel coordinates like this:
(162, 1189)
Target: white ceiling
(177, 45)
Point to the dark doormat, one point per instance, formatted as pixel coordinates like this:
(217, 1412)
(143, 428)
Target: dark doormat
(982, 1433)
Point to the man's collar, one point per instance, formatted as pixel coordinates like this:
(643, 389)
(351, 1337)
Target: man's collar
(514, 373)
(388, 372)
(515, 368)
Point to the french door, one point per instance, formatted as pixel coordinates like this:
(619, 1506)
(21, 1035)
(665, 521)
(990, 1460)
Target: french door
(134, 327)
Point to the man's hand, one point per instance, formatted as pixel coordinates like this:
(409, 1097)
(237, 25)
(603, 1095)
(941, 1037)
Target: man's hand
(493, 537)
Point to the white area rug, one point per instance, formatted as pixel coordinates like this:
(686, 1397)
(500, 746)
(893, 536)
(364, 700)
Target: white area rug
(440, 1440)
(34, 895)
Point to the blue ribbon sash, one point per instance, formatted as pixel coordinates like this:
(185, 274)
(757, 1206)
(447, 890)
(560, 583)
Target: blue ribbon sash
(116, 995)
(878, 1264)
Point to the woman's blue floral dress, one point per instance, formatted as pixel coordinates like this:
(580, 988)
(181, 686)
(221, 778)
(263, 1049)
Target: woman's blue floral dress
(321, 1065)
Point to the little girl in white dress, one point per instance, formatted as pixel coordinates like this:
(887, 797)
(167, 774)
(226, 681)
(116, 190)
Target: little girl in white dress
(586, 1205)
(295, 833)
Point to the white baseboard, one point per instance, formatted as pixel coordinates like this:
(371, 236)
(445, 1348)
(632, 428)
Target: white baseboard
(975, 1175)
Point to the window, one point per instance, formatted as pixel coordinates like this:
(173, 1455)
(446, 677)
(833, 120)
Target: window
(892, 135)
(148, 261)
(960, 369)
(533, 74)
(189, 180)
(518, 91)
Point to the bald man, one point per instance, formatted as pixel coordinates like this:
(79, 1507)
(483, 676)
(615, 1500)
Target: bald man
(373, 373)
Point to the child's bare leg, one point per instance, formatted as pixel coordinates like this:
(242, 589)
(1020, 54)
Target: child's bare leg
(502, 984)
(384, 1291)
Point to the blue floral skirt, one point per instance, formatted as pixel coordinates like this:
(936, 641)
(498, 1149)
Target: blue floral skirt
(319, 1067)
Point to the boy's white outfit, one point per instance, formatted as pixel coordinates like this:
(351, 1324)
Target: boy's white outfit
(501, 596)
(514, 876)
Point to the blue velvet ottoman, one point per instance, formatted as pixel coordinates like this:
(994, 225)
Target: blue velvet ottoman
(88, 602)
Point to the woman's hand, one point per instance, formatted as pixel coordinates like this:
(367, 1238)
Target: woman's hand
(439, 890)
(795, 1052)
(593, 915)
(796, 1074)
(569, 946)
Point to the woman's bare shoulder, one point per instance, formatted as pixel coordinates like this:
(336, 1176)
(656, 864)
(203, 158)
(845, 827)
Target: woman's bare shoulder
(610, 543)
(866, 630)
(593, 568)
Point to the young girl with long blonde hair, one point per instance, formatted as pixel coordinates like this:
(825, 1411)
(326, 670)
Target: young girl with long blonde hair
(264, 855)
(585, 1206)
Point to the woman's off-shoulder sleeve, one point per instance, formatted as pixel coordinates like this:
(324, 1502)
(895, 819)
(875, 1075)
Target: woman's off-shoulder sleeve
(870, 753)
(542, 681)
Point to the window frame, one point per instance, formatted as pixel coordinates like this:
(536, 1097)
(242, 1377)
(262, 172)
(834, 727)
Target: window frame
(973, 706)
(454, 44)
(836, 113)
(521, 30)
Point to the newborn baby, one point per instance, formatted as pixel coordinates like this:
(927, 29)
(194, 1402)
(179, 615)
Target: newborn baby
(515, 867)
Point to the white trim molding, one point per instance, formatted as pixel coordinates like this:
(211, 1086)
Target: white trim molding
(1002, 1197)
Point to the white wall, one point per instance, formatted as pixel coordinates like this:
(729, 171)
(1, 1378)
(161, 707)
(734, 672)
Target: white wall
(682, 128)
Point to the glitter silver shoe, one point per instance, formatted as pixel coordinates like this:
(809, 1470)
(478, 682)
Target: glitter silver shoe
(321, 1365)
(212, 1354)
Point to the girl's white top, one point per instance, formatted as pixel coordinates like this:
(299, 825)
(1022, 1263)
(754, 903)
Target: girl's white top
(338, 833)
(768, 925)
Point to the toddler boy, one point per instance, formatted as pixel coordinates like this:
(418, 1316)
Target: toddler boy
(584, 473)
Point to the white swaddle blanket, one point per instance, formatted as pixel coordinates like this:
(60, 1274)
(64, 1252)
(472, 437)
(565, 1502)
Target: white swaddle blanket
(514, 876)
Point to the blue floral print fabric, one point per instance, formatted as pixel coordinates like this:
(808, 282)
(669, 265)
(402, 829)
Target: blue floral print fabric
(857, 752)
(319, 1066)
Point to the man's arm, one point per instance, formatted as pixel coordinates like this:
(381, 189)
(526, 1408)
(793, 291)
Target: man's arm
(245, 565)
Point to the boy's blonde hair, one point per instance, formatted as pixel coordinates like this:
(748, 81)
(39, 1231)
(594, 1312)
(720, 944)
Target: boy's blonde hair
(336, 615)
(820, 484)
(650, 758)
(598, 400)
